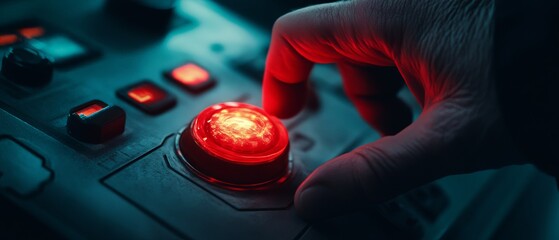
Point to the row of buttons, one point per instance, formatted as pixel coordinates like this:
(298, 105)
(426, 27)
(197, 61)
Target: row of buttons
(97, 122)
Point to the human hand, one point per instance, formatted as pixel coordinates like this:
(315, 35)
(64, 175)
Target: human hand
(443, 51)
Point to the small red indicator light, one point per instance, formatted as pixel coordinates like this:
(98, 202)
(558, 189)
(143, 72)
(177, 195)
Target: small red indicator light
(190, 74)
(192, 77)
(148, 97)
(146, 93)
(90, 110)
(236, 144)
(7, 39)
(32, 32)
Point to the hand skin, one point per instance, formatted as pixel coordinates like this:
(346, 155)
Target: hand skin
(443, 51)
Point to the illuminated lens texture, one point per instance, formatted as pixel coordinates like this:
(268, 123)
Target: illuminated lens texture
(240, 133)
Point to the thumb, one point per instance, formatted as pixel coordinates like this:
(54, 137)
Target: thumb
(426, 150)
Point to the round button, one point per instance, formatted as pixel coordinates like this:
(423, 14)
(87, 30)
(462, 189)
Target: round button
(27, 66)
(237, 145)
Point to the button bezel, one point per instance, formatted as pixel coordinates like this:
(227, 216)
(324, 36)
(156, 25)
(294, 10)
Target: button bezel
(235, 181)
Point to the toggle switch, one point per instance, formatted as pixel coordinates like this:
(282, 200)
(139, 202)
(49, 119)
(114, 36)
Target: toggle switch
(236, 145)
(95, 122)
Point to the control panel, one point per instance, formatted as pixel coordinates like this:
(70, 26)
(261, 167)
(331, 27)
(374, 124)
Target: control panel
(141, 120)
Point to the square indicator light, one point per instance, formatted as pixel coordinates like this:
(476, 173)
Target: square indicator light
(147, 97)
(7, 39)
(95, 122)
(192, 77)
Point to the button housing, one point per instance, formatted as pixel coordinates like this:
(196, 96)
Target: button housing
(92, 124)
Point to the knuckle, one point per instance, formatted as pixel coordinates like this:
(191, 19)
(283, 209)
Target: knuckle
(282, 23)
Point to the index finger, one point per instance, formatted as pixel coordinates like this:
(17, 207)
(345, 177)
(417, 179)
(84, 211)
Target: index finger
(299, 39)
(325, 33)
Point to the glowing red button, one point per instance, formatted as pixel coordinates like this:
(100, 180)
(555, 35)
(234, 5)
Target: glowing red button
(236, 144)
(192, 77)
(240, 133)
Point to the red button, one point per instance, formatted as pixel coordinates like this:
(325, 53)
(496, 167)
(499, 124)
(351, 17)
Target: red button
(237, 145)
(147, 97)
(192, 77)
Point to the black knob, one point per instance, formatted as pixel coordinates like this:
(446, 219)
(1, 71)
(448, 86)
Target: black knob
(27, 66)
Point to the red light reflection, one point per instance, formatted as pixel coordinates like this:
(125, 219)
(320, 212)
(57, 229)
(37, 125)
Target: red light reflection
(90, 110)
(146, 93)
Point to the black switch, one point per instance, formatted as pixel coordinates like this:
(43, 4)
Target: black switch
(95, 122)
(27, 66)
